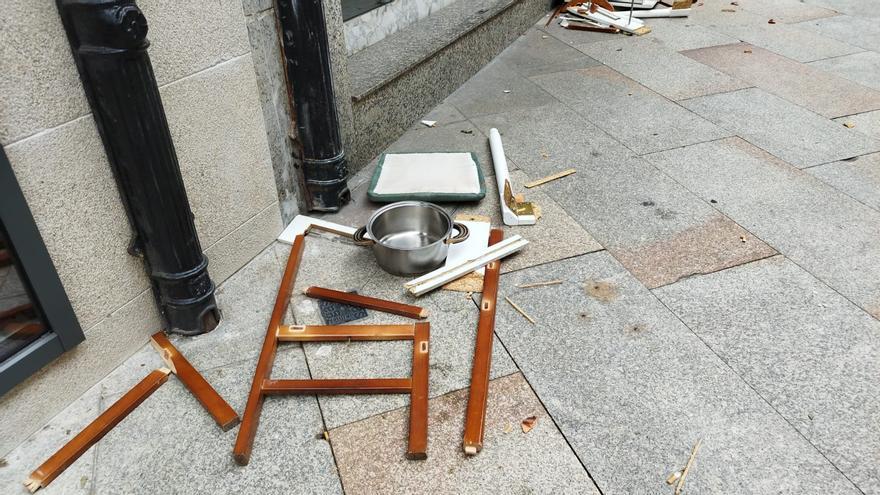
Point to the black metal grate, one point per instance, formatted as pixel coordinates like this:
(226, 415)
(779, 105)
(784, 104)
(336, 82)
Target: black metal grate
(354, 8)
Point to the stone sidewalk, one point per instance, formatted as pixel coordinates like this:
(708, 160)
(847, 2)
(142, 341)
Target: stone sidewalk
(719, 253)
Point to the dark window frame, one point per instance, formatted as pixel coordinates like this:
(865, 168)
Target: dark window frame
(42, 282)
(356, 8)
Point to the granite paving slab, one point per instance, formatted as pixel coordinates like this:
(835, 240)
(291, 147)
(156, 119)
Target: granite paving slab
(859, 31)
(851, 7)
(171, 445)
(452, 315)
(786, 11)
(652, 64)
(639, 118)
(789, 41)
(867, 123)
(536, 52)
(683, 34)
(369, 452)
(443, 114)
(18, 464)
(554, 237)
(808, 351)
(859, 178)
(828, 233)
(811, 88)
(790, 132)
(569, 36)
(543, 141)
(497, 88)
(656, 228)
(632, 389)
(863, 68)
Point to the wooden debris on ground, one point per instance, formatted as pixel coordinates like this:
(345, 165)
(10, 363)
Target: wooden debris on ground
(687, 468)
(520, 310)
(538, 284)
(529, 423)
(549, 178)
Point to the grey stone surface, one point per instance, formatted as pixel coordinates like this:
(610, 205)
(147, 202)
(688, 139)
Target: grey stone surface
(636, 116)
(813, 355)
(788, 11)
(443, 114)
(288, 451)
(859, 178)
(632, 389)
(452, 315)
(867, 123)
(216, 121)
(554, 237)
(851, 7)
(816, 90)
(790, 132)
(660, 68)
(542, 141)
(568, 36)
(863, 68)
(236, 249)
(370, 453)
(536, 52)
(498, 88)
(822, 230)
(793, 42)
(272, 85)
(79, 477)
(855, 30)
(683, 34)
(37, 68)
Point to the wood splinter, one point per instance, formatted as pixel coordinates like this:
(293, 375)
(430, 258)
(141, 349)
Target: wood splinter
(219, 409)
(520, 310)
(687, 467)
(539, 284)
(95, 431)
(373, 303)
(549, 178)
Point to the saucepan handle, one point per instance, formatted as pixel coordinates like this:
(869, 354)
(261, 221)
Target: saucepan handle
(360, 237)
(463, 233)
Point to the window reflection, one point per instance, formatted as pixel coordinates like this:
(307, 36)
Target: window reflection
(20, 323)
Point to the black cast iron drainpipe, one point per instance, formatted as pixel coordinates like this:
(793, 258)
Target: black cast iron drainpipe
(108, 39)
(306, 52)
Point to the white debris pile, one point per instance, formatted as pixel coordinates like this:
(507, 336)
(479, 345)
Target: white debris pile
(602, 16)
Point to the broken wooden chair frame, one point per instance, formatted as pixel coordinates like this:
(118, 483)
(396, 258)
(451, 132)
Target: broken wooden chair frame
(263, 384)
(213, 403)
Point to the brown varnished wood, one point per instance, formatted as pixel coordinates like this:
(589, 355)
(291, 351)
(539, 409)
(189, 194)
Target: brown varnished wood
(475, 417)
(336, 333)
(96, 430)
(418, 406)
(338, 386)
(219, 409)
(251, 418)
(373, 303)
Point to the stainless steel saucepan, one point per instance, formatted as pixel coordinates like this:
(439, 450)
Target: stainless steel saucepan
(410, 237)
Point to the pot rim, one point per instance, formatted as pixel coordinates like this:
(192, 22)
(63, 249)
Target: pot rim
(400, 204)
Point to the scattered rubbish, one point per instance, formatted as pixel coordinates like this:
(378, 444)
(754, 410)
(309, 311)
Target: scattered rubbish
(263, 384)
(508, 427)
(687, 467)
(734, 3)
(325, 435)
(559, 175)
(437, 278)
(679, 8)
(747, 51)
(355, 299)
(539, 284)
(514, 210)
(95, 431)
(429, 123)
(335, 313)
(848, 125)
(673, 477)
(324, 351)
(476, 243)
(600, 15)
(466, 131)
(430, 176)
(728, 10)
(506, 91)
(302, 223)
(475, 416)
(771, 21)
(742, 239)
(529, 423)
(520, 310)
(603, 291)
(544, 36)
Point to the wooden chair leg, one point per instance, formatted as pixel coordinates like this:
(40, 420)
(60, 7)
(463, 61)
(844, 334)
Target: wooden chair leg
(418, 407)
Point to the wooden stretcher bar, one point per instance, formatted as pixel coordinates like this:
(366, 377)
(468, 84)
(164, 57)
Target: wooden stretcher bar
(373, 303)
(475, 417)
(95, 431)
(418, 402)
(219, 409)
(337, 333)
(251, 417)
(338, 386)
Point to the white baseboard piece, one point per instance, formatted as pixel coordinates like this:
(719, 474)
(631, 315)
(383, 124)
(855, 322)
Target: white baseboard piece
(513, 210)
(430, 281)
(301, 223)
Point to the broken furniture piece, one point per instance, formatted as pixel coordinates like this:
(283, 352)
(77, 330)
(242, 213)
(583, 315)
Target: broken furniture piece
(679, 8)
(263, 384)
(475, 417)
(365, 302)
(550, 178)
(600, 15)
(514, 211)
(302, 224)
(428, 176)
(223, 414)
(479, 227)
(441, 276)
(95, 431)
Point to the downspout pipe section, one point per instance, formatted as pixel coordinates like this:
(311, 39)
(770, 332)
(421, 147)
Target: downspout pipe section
(306, 53)
(109, 43)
